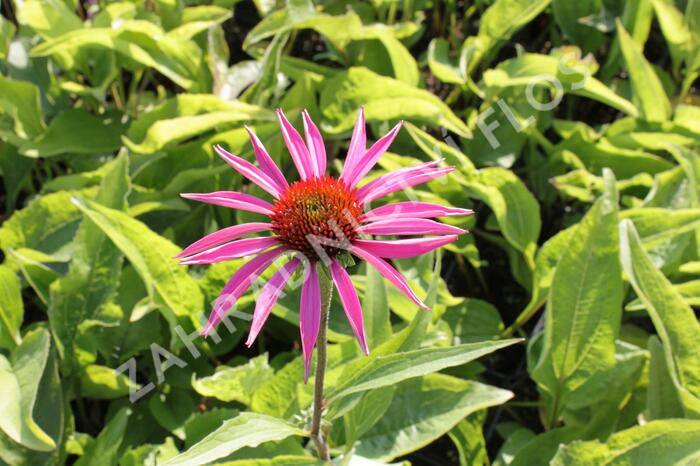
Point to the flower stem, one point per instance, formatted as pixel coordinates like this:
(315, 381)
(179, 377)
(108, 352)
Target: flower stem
(321, 359)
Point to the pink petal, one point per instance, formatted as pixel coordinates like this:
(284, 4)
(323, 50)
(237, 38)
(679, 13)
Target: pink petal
(357, 147)
(232, 200)
(409, 226)
(249, 170)
(233, 250)
(403, 248)
(309, 315)
(268, 297)
(379, 189)
(239, 284)
(394, 175)
(314, 142)
(413, 209)
(351, 303)
(389, 273)
(266, 163)
(224, 236)
(372, 155)
(297, 149)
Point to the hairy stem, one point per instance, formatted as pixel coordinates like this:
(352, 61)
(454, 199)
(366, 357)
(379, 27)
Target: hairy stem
(317, 433)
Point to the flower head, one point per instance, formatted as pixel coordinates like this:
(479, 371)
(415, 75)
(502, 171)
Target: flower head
(316, 219)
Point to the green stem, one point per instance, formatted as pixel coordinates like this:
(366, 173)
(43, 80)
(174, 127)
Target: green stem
(317, 433)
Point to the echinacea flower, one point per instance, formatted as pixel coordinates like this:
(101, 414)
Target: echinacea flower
(318, 218)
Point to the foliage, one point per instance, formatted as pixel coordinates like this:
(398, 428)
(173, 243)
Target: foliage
(563, 331)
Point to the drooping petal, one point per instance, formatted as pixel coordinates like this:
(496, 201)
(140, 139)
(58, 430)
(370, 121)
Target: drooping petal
(297, 148)
(378, 189)
(266, 163)
(413, 209)
(223, 236)
(389, 272)
(351, 303)
(373, 154)
(403, 248)
(249, 170)
(357, 147)
(232, 200)
(409, 226)
(314, 142)
(233, 250)
(268, 297)
(309, 315)
(239, 284)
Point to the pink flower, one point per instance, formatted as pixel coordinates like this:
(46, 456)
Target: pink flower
(316, 219)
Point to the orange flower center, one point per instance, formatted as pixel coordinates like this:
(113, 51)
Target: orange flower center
(317, 214)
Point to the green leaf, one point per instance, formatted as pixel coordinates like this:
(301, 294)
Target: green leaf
(21, 385)
(673, 442)
(106, 447)
(625, 163)
(384, 99)
(437, 149)
(662, 397)
(656, 226)
(540, 449)
(57, 227)
(375, 309)
(402, 61)
(649, 93)
(149, 455)
(20, 101)
(151, 256)
(583, 307)
(546, 262)
(186, 116)
(75, 131)
(15, 170)
(568, 16)
(7, 31)
(473, 320)
(636, 17)
(441, 64)
(93, 275)
(674, 320)
(424, 409)
(139, 41)
(515, 439)
(103, 383)
(468, 438)
(515, 208)
(245, 430)
(49, 18)
(282, 460)
(237, 383)
(391, 369)
(368, 412)
(572, 73)
(498, 24)
(11, 308)
(675, 30)
(279, 396)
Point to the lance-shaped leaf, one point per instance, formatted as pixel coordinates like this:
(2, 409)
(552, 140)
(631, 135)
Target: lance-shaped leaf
(674, 320)
(93, 276)
(245, 430)
(21, 382)
(671, 443)
(583, 308)
(151, 255)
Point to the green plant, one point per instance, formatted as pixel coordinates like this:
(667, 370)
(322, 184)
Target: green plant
(573, 127)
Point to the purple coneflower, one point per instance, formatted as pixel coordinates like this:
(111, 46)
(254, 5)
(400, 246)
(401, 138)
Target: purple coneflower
(318, 219)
